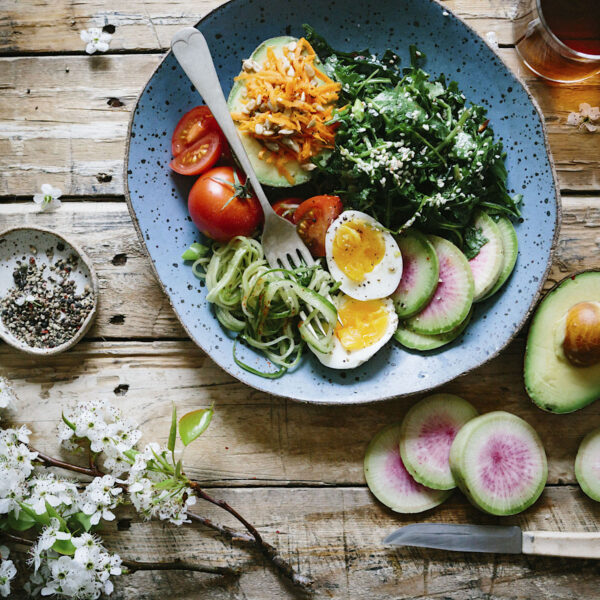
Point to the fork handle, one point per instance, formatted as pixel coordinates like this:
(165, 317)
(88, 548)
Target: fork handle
(191, 50)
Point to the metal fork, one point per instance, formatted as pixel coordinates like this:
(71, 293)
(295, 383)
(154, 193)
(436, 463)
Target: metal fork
(282, 245)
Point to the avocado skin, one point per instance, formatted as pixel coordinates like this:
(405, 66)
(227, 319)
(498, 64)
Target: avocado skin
(576, 386)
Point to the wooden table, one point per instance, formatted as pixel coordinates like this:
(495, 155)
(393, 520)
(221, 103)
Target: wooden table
(294, 470)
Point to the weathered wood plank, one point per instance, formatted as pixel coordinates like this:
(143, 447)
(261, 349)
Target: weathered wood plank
(30, 26)
(58, 125)
(335, 535)
(256, 438)
(132, 304)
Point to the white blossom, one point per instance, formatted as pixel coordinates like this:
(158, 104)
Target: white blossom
(48, 488)
(95, 39)
(16, 465)
(99, 498)
(105, 429)
(7, 396)
(49, 536)
(85, 575)
(170, 504)
(7, 572)
(49, 198)
(588, 117)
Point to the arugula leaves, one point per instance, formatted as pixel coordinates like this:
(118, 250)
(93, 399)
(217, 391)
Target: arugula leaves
(409, 151)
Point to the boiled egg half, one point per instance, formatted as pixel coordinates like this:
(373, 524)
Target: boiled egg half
(363, 327)
(362, 256)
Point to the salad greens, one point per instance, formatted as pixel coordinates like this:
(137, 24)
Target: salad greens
(409, 151)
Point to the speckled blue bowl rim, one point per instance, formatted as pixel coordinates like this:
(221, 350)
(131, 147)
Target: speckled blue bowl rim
(357, 400)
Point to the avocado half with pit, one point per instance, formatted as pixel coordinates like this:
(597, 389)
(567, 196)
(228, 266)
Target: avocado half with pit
(562, 357)
(267, 173)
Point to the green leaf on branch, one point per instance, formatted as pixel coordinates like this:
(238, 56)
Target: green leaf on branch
(178, 469)
(194, 424)
(67, 422)
(64, 547)
(54, 515)
(43, 519)
(83, 520)
(173, 432)
(165, 484)
(21, 523)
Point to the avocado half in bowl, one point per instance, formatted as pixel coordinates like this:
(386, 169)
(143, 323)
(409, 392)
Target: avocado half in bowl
(267, 172)
(562, 358)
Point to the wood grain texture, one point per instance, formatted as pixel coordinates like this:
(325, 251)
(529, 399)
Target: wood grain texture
(132, 304)
(58, 125)
(32, 26)
(335, 535)
(255, 438)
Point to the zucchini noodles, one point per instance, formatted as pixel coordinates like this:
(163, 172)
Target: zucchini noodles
(277, 311)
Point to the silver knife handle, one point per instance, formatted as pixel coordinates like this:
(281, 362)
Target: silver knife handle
(559, 543)
(192, 52)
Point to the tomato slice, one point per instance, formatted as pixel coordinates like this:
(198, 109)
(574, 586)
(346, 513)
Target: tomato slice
(286, 207)
(200, 156)
(191, 127)
(313, 218)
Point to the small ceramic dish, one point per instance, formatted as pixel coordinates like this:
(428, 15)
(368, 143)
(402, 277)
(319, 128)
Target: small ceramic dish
(20, 244)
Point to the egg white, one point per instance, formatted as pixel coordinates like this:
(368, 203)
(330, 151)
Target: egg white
(340, 358)
(383, 279)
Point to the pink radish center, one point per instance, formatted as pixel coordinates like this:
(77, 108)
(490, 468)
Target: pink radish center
(409, 272)
(505, 465)
(447, 290)
(482, 260)
(432, 447)
(398, 477)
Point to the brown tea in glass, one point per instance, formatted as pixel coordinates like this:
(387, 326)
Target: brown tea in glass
(559, 39)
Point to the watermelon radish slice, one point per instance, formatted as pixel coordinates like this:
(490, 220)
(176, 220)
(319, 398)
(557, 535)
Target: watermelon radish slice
(587, 465)
(498, 461)
(510, 245)
(427, 432)
(453, 296)
(420, 274)
(419, 341)
(388, 479)
(487, 265)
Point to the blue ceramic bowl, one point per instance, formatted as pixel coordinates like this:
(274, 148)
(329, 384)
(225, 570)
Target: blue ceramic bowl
(158, 197)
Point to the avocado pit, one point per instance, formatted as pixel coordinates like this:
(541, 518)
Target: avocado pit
(581, 344)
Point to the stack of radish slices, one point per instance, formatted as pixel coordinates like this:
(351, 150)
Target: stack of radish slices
(439, 285)
(497, 459)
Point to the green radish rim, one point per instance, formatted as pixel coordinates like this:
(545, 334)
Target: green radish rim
(466, 449)
(453, 297)
(486, 266)
(587, 463)
(510, 243)
(420, 273)
(423, 343)
(388, 479)
(426, 436)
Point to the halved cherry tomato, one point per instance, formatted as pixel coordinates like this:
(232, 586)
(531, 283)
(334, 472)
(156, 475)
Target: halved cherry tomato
(191, 127)
(200, 156)
(313, 218)
(286, 207)
(221, 207)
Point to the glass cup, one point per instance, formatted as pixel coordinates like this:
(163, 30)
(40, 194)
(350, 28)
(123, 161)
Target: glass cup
(559, 39)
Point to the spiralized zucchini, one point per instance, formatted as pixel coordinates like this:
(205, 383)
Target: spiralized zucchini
(277, 311)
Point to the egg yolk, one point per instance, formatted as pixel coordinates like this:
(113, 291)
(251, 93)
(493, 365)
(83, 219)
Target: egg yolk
(357, 249)
(361, 323)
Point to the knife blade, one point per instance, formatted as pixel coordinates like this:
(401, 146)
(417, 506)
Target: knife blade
(465, 538)
(509, 539)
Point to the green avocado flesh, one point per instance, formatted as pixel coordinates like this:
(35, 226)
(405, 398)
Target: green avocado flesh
(266, 173)
(552, 382)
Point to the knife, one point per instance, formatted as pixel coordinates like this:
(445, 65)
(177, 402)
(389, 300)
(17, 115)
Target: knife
(508, 539)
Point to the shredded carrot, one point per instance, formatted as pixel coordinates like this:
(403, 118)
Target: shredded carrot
(287, 105)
